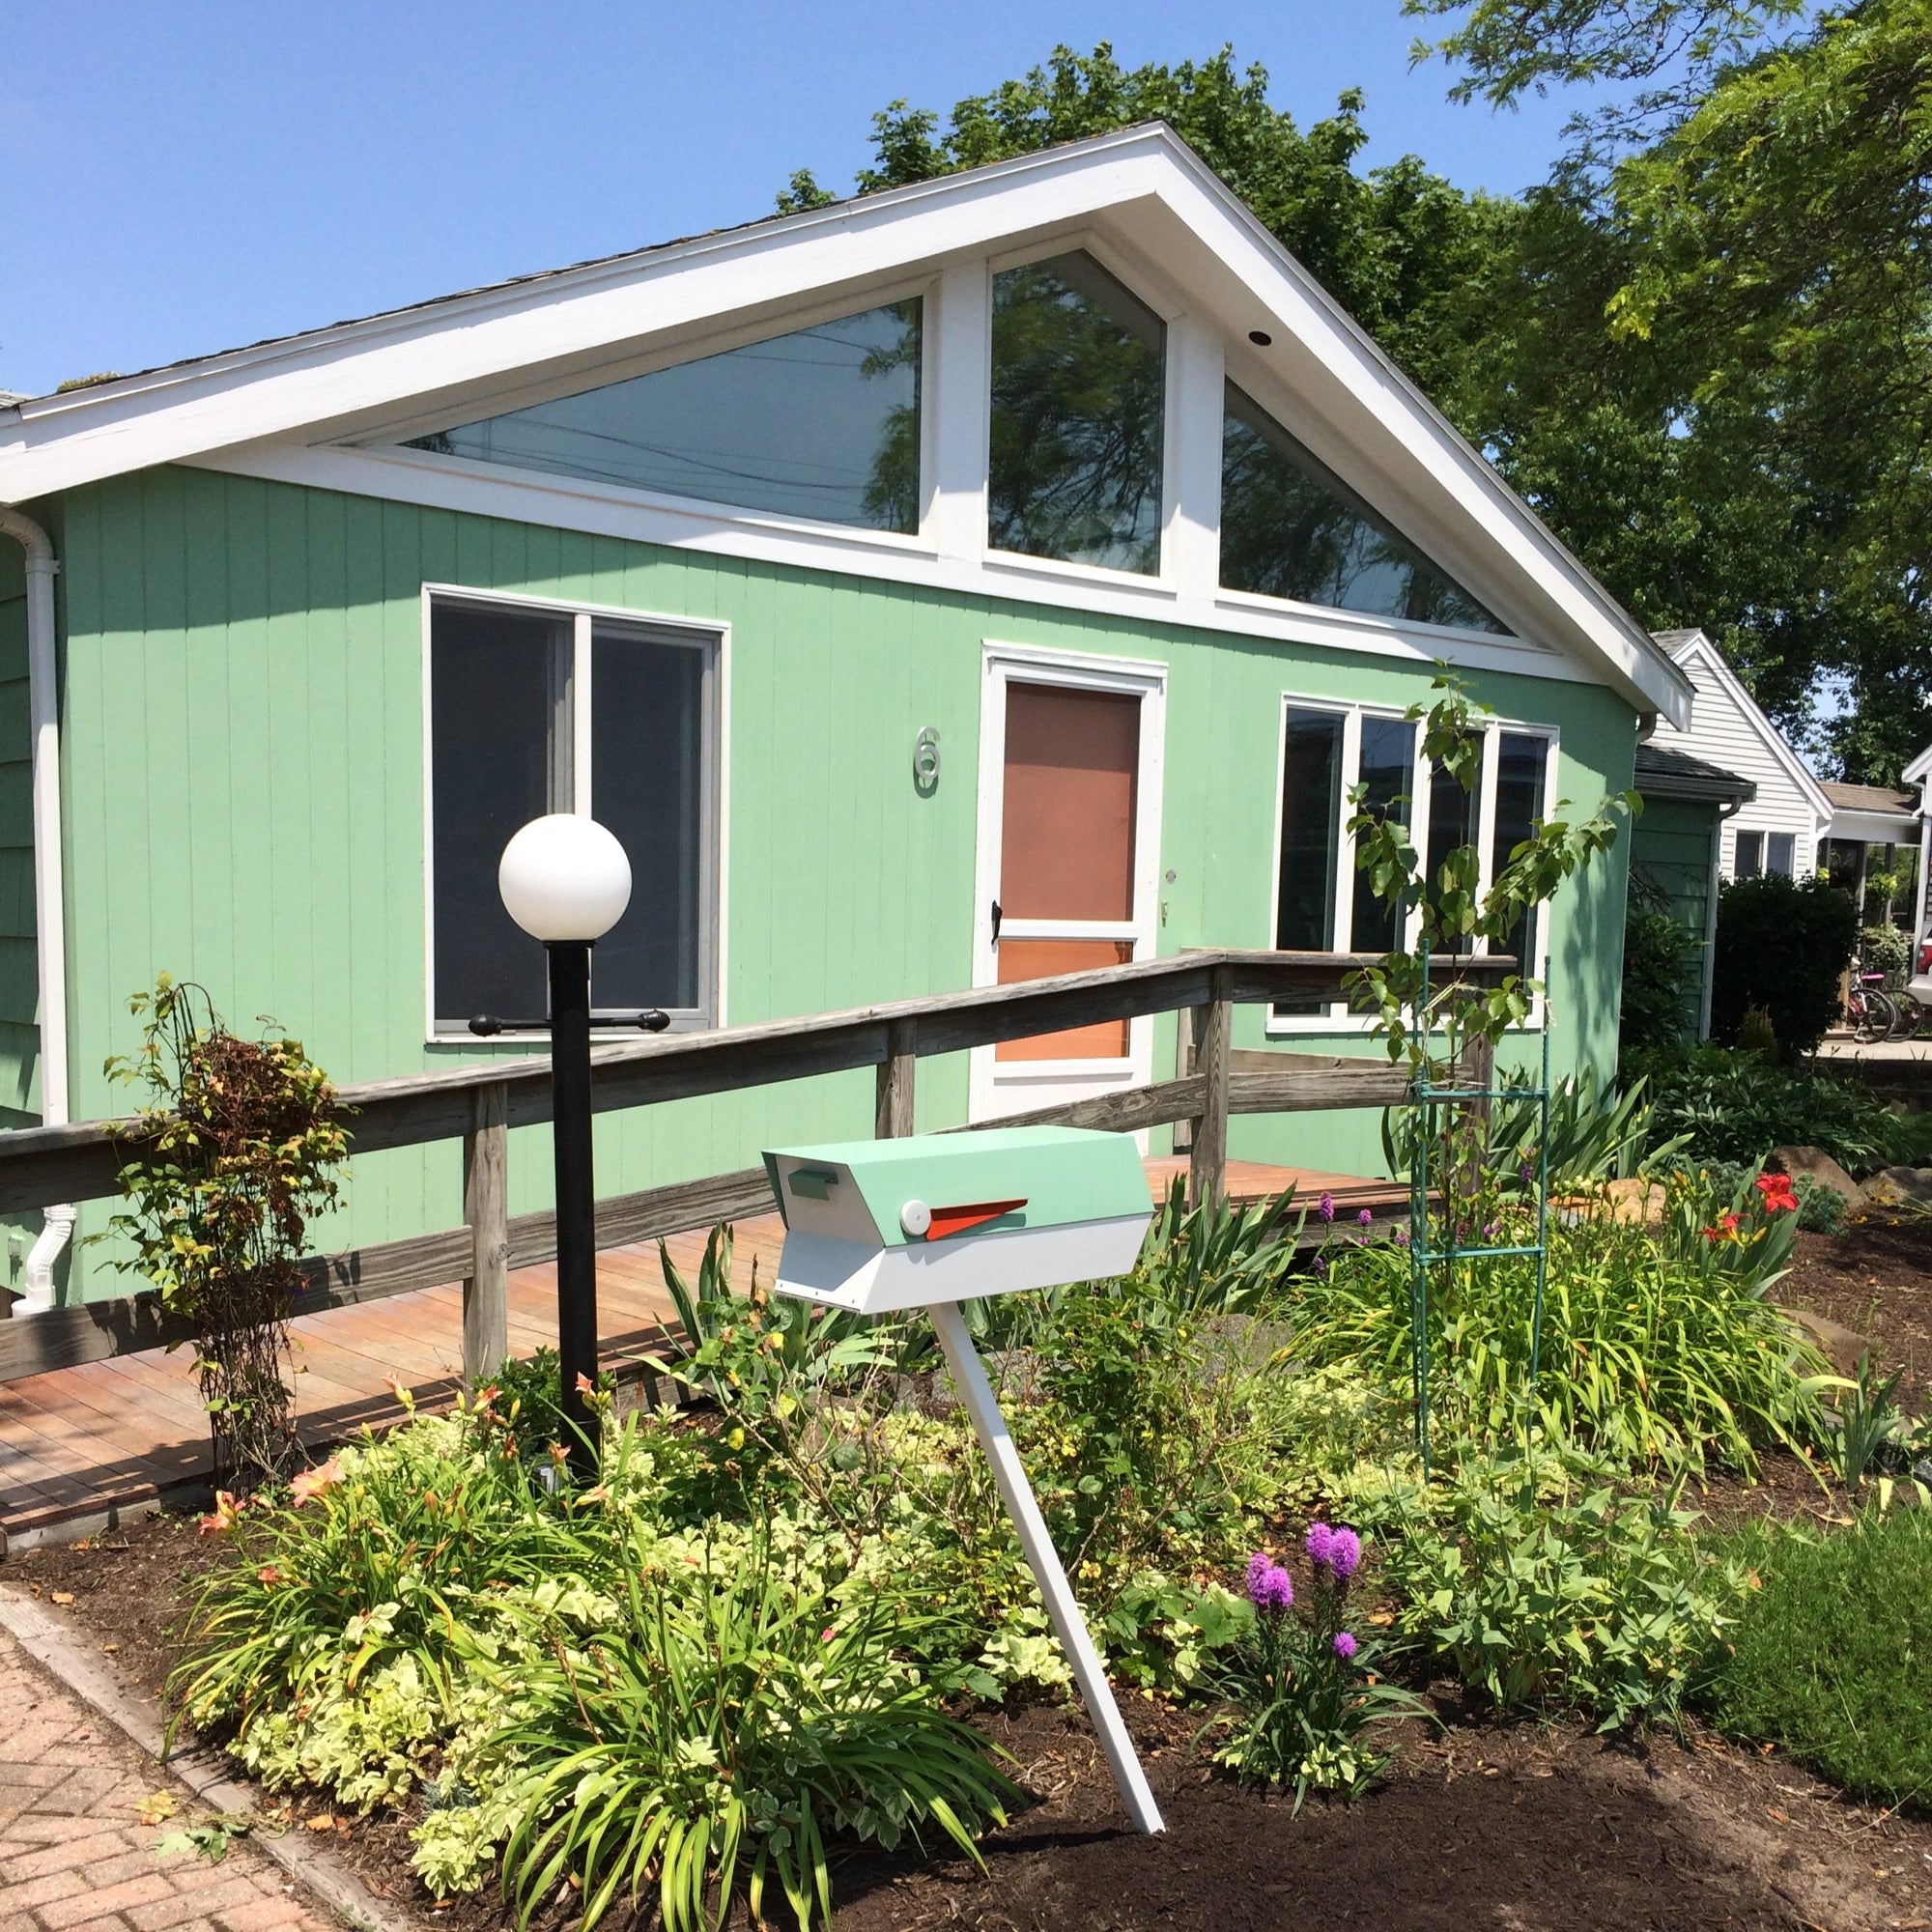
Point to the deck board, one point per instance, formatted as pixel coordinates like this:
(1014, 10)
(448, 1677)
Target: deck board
(114, 1434)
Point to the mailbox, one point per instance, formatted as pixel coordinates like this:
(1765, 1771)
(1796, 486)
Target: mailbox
(933, 1220)
(876, 1226)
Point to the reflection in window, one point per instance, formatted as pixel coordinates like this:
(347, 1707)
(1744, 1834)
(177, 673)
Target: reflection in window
(820, 423)
(1292, 529)
(1387, 772)
(507, 745)
(1076, 417)
(1452, 820)
(1311, 829)
(1751, 855)
(1522, 765)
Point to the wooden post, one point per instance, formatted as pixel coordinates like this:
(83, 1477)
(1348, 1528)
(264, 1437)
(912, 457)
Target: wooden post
(1208, 1161)
(1478, 1074)
(486, 1208)
(1183, 1065)
(893, 1118)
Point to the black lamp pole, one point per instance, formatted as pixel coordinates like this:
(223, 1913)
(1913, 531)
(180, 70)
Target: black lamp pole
(575, 1197)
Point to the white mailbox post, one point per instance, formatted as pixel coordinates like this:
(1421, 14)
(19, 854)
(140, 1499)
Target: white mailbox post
(929, 1221)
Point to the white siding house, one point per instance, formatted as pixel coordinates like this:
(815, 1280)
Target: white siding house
(1779, 829)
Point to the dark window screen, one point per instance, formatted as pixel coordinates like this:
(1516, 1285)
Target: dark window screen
(1521, 763)
(1781, 853)
(493, 678)
(1311, 818)
(647, 786)
(1751, 855)
(1388, 771)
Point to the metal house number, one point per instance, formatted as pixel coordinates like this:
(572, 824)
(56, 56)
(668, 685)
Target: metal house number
(925, 759)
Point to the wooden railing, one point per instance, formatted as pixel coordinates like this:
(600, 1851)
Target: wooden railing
(481, 1102)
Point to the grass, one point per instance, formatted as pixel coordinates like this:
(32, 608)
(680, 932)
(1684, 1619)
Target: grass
(1831, 1656)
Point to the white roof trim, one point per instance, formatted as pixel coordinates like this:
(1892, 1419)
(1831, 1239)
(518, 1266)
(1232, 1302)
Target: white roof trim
(1920, 768)
(337, 383)
(1696, 645)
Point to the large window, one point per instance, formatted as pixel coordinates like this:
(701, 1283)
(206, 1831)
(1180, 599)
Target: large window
(820, 423)
(535, 711)
(1292, 529)
(1078, 392)
(1322, 902)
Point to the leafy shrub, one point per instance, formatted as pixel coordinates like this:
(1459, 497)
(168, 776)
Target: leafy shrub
(1661, 955)
(1827, 1659)
(1645, 1355)
(1781, 945)
(1304, 1687)
(1723, 1106)
(731, 1717)
(1597, 1604)
(1885, 948)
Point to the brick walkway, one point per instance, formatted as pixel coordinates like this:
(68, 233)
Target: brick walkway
(75, 1855)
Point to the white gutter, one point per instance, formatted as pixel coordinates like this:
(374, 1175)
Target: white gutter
(50, 915)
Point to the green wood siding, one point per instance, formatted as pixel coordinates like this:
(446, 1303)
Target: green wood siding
(244, 790)
(1671, 847)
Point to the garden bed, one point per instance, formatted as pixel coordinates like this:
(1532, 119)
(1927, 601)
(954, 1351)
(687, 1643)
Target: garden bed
(1520, 1825)
(1874, 1278)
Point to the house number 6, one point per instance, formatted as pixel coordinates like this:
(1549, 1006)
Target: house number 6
(925, 759)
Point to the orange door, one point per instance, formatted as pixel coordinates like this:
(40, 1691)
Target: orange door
(1067, 877)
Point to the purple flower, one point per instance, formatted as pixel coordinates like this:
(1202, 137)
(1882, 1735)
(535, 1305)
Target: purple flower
(1320, 1267)
(1327, 1206)
(1488, 1230)
(1401, 1237)
(1527, 1173)
(1270, 1588)
(1344, 1554)
(1320, 1541)
(1344, 1645)
(1366, 1218)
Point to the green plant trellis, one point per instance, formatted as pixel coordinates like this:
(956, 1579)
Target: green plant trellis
(1428, 1098)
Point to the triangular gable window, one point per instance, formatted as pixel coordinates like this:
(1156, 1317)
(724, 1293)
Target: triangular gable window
(1289, 527)
(820, 423)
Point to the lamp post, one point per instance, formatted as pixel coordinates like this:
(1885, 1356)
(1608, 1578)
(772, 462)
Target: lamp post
(566, 880)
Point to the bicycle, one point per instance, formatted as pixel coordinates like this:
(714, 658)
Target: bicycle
(1870, 1009)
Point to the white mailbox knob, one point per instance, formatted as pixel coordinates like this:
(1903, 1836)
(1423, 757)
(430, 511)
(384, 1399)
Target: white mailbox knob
(914, 1217)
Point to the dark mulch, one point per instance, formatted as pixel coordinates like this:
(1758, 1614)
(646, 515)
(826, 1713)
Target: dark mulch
(1875, 1277)
(1514, 1826)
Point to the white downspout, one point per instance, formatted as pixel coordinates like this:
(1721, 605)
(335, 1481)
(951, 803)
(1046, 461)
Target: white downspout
(49, 915)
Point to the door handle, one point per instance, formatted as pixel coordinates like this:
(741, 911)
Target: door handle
(996, 922)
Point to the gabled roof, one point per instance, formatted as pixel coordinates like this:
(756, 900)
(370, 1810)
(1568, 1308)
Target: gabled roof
(1144, 185)
(1869, 798)
(1663, 772)
(1696, 648)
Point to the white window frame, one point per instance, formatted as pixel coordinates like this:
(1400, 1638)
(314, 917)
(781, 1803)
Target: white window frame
(714, 638)
(1336, 1019)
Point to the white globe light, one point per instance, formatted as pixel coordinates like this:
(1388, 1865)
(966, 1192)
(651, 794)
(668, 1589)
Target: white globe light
(564, 877)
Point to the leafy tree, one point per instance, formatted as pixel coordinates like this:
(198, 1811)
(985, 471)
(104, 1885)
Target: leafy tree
(1396, 245)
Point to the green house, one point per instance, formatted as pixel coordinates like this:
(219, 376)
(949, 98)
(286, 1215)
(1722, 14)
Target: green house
(989, 577)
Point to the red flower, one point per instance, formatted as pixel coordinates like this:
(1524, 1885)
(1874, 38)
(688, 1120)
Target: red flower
(1776, 1193)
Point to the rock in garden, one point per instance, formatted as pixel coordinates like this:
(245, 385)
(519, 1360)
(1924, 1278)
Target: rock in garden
(1843, 1348)
(1799, 1162)
(1901, 1187)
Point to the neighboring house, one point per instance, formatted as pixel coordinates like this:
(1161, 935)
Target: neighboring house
(1061, 462)
(1917, 776)
(1676, 848)
(1779, 830)
(1865, 819)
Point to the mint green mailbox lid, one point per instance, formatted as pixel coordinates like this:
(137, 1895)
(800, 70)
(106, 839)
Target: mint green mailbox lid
(1063, 1174)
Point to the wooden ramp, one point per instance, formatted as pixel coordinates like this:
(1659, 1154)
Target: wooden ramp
(78, 1446)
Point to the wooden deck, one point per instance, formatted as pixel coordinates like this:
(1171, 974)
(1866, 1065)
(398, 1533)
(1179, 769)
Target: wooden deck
(77, 1445)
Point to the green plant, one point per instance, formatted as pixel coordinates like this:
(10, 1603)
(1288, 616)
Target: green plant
(1729, 1106)
(1781, 945)
(1304, 1687)
(1867, 1425)
(1757, 1032)
(1827, 1658)
(730, 1719)
(1644, 1357)
(1597, 1604)
(1885, 948)
(239, 1146)
(1821, 1207)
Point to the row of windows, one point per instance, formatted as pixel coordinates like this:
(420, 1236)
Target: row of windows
(534, 711)
(1761, 852)
(825, 423)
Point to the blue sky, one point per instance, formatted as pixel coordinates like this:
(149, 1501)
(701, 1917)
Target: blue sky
(183, 178)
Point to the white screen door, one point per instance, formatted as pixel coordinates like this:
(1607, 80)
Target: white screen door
(1068, 851)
